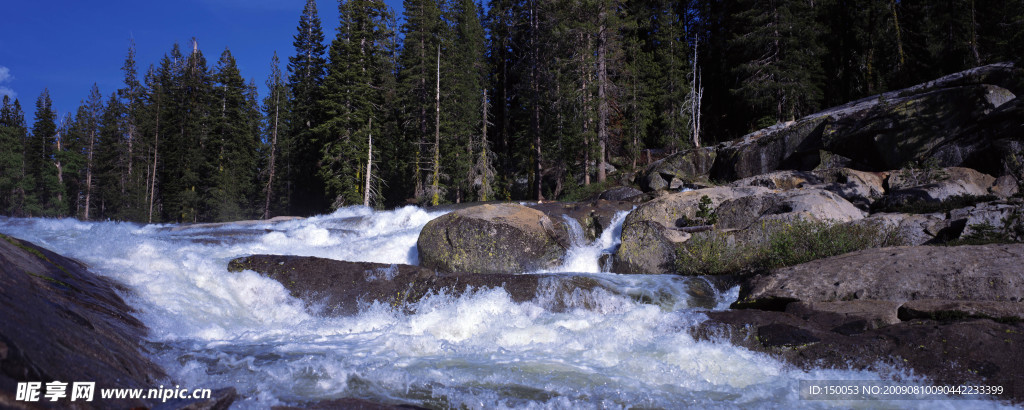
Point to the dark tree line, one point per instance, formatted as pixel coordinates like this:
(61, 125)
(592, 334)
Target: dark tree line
(523, 99)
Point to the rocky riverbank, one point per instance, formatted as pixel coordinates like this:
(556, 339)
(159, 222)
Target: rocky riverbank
(885, 233)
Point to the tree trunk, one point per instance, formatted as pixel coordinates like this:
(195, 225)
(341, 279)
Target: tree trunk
(696, 95)
(60, 171)
(538, 168)
(899, 37)
(483, 150)
(88, 172)
(435, 182)
(156, 157)
(602, 95)
(273, 153)
(369, 164)
(585, 75)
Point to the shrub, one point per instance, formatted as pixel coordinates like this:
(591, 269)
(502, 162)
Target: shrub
(1012, 231)
(776, 244)
(803, 241)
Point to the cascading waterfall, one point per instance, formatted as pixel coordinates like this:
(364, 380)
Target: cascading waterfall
(585, 257)
(212, 328)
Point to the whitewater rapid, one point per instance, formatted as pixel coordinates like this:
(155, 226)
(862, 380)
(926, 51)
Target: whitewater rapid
(211, 328)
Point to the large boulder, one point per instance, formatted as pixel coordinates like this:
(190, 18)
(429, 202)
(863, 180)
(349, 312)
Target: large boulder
(948, 352)
(686, 166)
(492, 238)
(971, 119)
(61, 322)
(652, 238)
(901, 128)
(899, 274)
(995, 145)
(1004, 216)
(937, 184)
(786, 206)
(858, 187)
(338, 287)
(649, 239)
(791, 145)
(915, 229)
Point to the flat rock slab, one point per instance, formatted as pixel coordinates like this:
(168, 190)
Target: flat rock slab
(850, 317)
(958, 309)
(899, 274)
(978, 351)
(60, 322)
(339, 287)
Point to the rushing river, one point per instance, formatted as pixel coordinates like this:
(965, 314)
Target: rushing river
(211, 328)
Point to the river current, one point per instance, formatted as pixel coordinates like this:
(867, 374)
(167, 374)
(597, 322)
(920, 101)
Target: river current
(210, 328)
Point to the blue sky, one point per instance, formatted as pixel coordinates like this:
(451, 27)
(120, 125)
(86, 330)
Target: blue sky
(67, 46)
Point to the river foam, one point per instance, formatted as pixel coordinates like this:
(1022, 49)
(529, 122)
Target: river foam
(628, 347)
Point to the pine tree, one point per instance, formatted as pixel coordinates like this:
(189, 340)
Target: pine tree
(468, 148)
(45, 197)
(361, 59)
(421, 31)
(131, 158)
(186, 120)
(275, 147)
(232, 145)
(87, 123)
(12, 161)
(111, 197)
(780, 70)
(307, 69)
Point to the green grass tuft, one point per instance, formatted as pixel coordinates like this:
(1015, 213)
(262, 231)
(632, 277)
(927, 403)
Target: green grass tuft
(777, 244)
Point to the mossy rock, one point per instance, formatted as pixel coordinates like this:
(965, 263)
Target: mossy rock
(501, 238)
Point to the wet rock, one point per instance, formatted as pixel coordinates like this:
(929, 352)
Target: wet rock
(334, 287)
(853, 316)
(645, 248)
(900, 274)
(499, 238)
(61, 322)
(593, 216)
(978, 351)
(960, 309)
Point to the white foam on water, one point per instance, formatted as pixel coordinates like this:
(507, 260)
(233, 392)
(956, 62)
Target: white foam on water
(628, 347)
(584, 257)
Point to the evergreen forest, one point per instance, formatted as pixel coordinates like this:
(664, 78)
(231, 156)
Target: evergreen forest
(456, 101)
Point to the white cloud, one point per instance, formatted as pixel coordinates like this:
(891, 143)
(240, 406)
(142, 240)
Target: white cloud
(5, 76)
